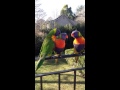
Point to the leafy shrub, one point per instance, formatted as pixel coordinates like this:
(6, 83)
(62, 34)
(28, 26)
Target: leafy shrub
(38, 43)
(68, 29)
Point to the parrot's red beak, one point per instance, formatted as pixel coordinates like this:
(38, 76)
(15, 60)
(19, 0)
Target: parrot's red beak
(67, 36)
(72, 35)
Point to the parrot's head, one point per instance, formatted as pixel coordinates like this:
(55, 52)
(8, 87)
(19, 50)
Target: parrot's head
(76, 34)
(64, 36)
(57, 32)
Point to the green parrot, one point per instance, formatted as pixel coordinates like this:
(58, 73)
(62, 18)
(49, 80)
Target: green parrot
(47, 47)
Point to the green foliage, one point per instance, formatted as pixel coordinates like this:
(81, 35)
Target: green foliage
(39, 40)
(38, 43)
(67, 29)
(81, 28)
(45, 30)
(67, 12)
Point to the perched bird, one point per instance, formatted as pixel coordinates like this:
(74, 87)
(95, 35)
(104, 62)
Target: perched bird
(47, 47)
(78, 43)
(59, 44)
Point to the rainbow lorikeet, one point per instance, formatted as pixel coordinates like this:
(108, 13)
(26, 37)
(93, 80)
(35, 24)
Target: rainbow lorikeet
(78, 43)
(47, 47)
(59, 44)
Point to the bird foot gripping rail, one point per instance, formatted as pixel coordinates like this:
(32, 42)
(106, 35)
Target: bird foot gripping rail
(62, 56)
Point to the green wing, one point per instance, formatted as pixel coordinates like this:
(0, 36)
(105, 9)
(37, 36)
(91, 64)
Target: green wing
(46, 48)
(47, 44)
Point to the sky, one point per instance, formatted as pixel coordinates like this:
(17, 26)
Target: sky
(53, 7)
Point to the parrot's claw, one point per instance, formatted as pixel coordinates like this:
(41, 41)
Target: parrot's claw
(60, 56)
(52, 56)
(82, 75)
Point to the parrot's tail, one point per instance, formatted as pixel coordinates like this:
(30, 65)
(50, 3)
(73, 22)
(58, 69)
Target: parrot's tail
(39, 63)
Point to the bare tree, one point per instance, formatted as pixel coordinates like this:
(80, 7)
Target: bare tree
(49, 19)
(55, 14)
(39, 13)
(40, 24)
(80, 10)
(39, 16)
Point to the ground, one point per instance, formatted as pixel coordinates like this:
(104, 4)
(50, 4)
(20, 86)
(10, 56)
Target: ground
(51, 82)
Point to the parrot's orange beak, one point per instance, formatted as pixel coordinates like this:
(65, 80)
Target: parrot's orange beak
(72, 35)
(67, 36)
